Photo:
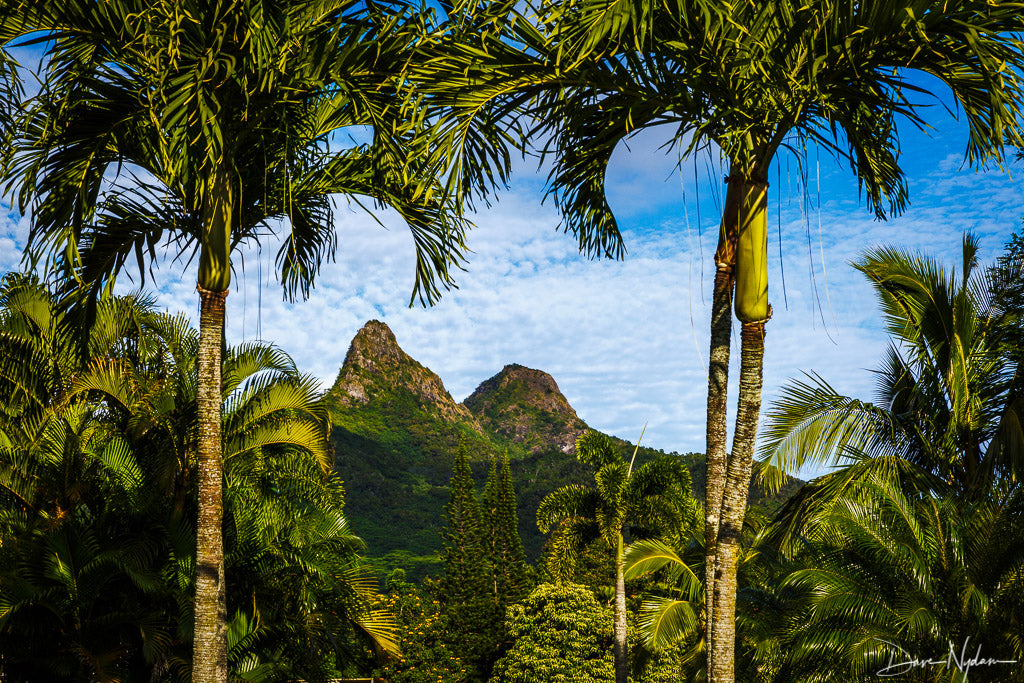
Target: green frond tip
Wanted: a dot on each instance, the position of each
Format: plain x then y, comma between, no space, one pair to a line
665,621
596,449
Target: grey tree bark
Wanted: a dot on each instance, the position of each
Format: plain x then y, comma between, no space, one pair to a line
716,437
734,502
621,653
209,647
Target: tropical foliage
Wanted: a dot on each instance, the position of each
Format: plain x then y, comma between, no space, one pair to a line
485,568
891,577
894,556
672,617
425,655
559,633
912,547
749,79
654,499
142,461
217,120
949,413
97,547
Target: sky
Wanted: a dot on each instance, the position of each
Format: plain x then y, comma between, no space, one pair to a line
627,340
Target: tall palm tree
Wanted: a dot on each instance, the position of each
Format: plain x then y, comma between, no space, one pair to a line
750,78
654,498
673,612
773,72
227,109
948,416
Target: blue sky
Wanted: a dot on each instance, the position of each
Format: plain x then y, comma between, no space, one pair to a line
626,341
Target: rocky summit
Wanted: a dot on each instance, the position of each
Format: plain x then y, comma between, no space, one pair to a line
519,408
525,407
376,366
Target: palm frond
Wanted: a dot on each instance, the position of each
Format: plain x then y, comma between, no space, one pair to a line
565,503
596,450
665,621
810,425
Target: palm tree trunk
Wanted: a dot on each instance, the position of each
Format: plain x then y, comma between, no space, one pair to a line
209,660
718,381
734,501
751,304
621,656
210,643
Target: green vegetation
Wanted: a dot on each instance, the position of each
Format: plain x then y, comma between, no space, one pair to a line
484,567
559,633
754,81
98,493
396,464
173,508
509,571
395,454
948,419
425,654
229,109
906,552
891,573
911,544
656,499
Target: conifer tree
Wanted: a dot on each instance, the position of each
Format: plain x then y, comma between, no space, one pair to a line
473,619
511,574
466,560
484,563
490,521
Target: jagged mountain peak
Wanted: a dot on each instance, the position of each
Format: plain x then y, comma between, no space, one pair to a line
536,387
526,407
375,346
376,368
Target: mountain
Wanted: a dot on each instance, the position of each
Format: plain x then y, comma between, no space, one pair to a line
396,430
524,407
376,367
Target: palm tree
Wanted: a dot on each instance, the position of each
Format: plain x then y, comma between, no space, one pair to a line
226,111
883,577
294,558
96,546
892,576
783,79
749,78
948,415
673,614
81,586
655,498
930,468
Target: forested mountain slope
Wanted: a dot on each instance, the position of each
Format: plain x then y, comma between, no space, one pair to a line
396,430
